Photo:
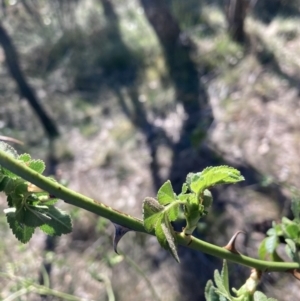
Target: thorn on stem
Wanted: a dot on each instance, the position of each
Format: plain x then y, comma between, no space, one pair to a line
231,244
120,231
295,273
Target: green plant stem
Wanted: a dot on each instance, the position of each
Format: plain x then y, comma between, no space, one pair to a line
81,201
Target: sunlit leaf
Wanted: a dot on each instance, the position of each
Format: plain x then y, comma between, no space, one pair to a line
221,287
271,243
292,230
262,251
259,296
291,249
212,176
24,158
166,194
152,212
37,165
173,213
224,275
210,292
184,188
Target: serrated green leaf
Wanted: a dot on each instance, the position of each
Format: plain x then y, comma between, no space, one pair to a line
262,251
37,165
192,177
34,217
210,292
60,222
221,288
24,158
224,275
271,243
166,194
152,212
165,236
22,233
212,176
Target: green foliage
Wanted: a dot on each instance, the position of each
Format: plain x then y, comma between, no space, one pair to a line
195,198
259,296
221,292
29,207
158,218
289,230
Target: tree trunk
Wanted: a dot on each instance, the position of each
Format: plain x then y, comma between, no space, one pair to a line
236,13
12,61
177,48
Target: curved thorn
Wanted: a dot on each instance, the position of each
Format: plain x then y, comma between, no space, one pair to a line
120,231
231,244
295,273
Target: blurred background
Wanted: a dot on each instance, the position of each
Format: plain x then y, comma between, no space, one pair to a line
119,96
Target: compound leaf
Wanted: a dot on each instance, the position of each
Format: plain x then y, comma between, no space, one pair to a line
166,194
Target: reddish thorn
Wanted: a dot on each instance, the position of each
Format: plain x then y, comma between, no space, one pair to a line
231,244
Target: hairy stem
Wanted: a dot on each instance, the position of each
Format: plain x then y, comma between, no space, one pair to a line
81,201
